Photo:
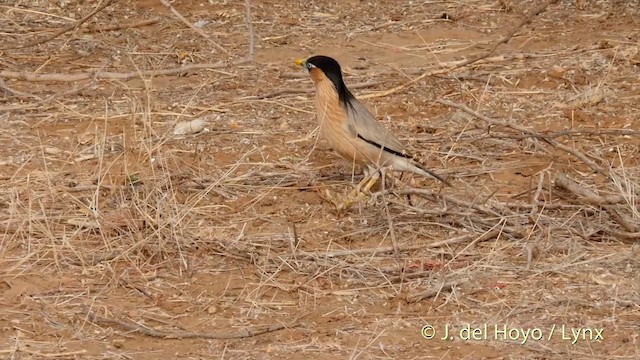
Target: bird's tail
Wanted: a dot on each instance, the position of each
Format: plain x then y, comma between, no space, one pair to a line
416,167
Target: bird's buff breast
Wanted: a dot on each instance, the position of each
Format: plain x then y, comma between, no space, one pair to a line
334,127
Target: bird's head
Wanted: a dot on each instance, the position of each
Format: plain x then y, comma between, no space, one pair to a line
323,68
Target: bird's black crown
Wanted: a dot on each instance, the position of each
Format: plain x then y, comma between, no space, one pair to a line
329,66
333,72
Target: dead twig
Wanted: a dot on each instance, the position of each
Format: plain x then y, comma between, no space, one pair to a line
624,236
536,196
63,30
582,157
43,355
115,27
590,197
450,199
43,101
14,92
572,133
250,30
25,76
505,39
190,26
435,291
245,333
391,249
74,90
485,55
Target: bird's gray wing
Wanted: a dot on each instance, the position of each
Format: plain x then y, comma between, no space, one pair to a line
367,128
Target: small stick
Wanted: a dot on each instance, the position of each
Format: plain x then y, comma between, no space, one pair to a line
246,333
574,132
391,249
199,31
66,354
429,293
589,196
114,27
15,92
626,237
504,40
39,103
563,181
250,29
459,202
536,196
25,76
63,30
392,231
574,152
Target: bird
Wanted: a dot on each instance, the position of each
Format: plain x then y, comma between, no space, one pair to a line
352,131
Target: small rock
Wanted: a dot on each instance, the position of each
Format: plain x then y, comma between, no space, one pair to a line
189,127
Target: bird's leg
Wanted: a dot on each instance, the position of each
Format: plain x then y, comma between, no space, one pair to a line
383,172
409,199
372,175
366,171
383,190
368,184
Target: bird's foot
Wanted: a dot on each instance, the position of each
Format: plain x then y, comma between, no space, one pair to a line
351,198
328,196
358,194
341,202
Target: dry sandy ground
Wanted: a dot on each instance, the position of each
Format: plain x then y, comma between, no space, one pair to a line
121,240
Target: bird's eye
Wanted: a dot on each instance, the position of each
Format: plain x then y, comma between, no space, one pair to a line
309,66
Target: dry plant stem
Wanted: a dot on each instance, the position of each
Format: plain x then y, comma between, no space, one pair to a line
137,24
464,218
189,25
536,196
64,29
456,201
75,90
588,196
595,167
442,70
624,236
246,333
96,259
538,10
250,30
25,76
392,249
42,355
574,132
3,86
505,39
392,231
429,293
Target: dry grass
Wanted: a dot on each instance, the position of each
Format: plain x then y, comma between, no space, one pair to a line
123,240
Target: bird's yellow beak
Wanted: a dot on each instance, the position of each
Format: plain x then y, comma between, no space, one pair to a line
300,62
